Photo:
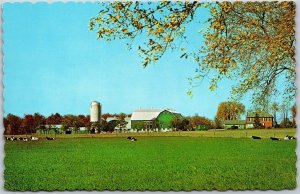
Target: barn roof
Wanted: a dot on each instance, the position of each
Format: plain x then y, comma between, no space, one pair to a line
260,114
147,114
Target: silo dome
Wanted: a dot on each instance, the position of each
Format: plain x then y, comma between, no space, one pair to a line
95,111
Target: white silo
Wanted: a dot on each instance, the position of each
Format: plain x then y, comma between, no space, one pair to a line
95,112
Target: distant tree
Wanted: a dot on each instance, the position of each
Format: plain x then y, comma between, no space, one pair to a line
275,109
230,111
284,108
105,126
286,123
175,123
106,115
38,120
109,126
121,123
97,127
14,124
198,120
185,124
180,124
87,123
28,124
257,123
66,122
54,119
7,127
218,124
294,113
72,121
84,120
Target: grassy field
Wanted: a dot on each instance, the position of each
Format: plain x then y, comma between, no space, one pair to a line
151,163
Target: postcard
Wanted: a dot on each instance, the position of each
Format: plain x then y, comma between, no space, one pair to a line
149,96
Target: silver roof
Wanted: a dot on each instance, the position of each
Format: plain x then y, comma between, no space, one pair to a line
147,114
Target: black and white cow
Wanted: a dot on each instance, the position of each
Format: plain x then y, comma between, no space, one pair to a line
288,137
34,138
131,138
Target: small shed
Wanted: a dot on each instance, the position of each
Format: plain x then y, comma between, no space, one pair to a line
234,124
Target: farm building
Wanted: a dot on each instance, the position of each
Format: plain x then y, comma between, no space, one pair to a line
265,119
113,122
50,129
234,124
150,119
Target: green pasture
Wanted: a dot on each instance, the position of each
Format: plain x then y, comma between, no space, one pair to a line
152,163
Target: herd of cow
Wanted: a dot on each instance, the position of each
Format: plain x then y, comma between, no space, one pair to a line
287,137
13,138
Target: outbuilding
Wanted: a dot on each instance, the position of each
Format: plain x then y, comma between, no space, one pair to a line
234,124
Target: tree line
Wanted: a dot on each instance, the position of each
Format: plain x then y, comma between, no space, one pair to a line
192,122
30,123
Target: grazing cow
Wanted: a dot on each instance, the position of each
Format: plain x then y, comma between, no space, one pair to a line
21,138
274,138
287,137
34,138
131,138
50,138
13,138
25,139
255,137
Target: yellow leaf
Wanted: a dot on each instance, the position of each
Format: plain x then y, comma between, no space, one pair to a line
189,93
149,31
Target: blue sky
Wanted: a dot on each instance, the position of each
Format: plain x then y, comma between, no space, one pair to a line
53,63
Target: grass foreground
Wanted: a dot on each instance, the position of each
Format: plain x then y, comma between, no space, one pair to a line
151,163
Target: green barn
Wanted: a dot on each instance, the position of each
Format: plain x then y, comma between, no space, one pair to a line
151,119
